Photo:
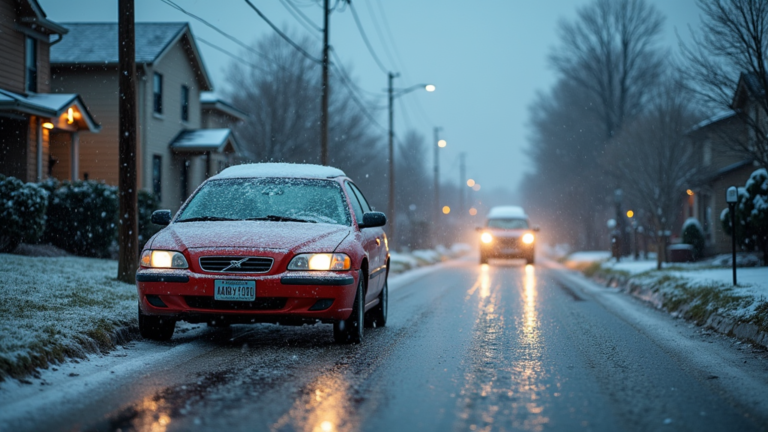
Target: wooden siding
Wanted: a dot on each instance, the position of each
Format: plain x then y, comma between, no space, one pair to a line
11,49
60,149
14,147
99,89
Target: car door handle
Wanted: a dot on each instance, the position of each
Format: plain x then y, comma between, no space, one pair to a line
378,241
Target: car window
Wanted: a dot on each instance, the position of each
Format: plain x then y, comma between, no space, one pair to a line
356,207
363,201
508,223
312,200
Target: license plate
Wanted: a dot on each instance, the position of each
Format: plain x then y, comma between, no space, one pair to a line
235,290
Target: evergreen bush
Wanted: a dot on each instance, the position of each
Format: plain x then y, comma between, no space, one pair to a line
693,234
148,203
22,212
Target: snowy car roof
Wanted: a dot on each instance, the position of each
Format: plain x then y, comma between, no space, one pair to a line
280,170
507,212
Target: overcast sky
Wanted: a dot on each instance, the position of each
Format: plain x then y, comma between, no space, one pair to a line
487,58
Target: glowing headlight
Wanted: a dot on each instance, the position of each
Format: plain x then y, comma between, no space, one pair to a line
486,238
163,259
322,261
528,238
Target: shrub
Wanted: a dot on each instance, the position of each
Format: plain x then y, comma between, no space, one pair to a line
148,203
751,214
82,217
22,212
693,235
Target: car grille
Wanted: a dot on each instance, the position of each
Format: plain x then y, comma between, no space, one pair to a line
224,264
507,242
263,303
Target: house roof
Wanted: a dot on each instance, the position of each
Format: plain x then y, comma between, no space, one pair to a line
96,44
730,168
34,15
209,101
197,141
47,105
724,115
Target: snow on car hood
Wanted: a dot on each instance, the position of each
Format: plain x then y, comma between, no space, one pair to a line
285,236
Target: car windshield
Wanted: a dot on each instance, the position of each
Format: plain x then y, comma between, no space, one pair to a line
272,199
508,223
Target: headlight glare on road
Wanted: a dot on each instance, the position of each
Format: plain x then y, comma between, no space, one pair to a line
163,259
486,238
528,238
321,261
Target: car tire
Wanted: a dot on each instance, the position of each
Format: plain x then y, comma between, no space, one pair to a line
378,315
483,259
350,330
155,327
530,260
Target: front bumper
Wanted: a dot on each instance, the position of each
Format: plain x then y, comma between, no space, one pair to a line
519,250
289,297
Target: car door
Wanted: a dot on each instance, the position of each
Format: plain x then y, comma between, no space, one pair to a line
378,264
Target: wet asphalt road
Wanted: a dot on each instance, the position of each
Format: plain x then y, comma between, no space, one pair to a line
467,347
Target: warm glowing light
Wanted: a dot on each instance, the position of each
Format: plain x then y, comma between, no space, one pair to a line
429,88
630,214
326,426
689,192
442,143
446,209
161,259
470,182
48,125
486,237
528,238
476,187
320,262
473,211
70,116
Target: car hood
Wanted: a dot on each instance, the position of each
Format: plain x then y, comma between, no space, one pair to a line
507,233
285,236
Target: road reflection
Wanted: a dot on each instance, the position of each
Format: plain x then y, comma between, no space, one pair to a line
323,407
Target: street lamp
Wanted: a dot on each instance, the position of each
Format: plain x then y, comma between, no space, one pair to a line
392,95
732,197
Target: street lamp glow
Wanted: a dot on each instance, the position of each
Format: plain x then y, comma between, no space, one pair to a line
446,209
473,211
630,214
442,143
429,88
470,182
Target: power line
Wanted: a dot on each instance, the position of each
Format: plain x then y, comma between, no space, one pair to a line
365,39
234,56
282,35
341,70
305,22
391,36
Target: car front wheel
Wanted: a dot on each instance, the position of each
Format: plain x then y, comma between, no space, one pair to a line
350,330
155,327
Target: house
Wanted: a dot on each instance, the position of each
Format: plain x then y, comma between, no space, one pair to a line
31,118
177,147
714,140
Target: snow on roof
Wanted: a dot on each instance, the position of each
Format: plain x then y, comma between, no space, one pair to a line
714,119
280,170
507,212
96,43
47,105
198,140
210,101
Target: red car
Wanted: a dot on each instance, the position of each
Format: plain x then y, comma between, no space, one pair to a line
277,243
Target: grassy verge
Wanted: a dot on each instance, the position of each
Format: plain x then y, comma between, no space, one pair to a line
54,308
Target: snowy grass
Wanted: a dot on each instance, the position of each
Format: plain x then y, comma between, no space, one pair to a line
53,308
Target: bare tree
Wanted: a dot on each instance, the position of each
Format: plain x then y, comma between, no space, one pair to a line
653,157
732,46
611,50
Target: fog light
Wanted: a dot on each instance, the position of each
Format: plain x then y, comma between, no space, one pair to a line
321,304
156,301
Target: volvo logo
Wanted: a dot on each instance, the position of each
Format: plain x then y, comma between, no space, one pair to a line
235,264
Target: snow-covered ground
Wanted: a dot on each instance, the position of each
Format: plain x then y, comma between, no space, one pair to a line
404,261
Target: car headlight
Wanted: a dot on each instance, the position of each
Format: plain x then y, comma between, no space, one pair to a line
321,261
486,238
528,238
163,259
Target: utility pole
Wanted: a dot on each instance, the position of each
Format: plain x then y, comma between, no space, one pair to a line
391,208
324,103
463,174
128,226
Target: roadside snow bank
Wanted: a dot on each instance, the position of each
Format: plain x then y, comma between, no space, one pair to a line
53,308
404,261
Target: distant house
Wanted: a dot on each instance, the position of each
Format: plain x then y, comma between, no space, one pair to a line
31,118
178,148
725,167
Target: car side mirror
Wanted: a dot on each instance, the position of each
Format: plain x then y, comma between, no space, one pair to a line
536,228
478,229
161,217
373,219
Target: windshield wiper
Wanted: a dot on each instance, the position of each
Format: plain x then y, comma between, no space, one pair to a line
206,218
274,218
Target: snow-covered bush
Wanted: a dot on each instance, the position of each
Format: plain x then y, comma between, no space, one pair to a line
693,234
82,217
22,212
751,214
148,203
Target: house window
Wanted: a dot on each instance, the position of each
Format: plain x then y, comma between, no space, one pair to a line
157,176
184,103
31,64
157,90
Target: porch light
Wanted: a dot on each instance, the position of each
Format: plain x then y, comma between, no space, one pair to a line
48,125
689,192
630,214
70,116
